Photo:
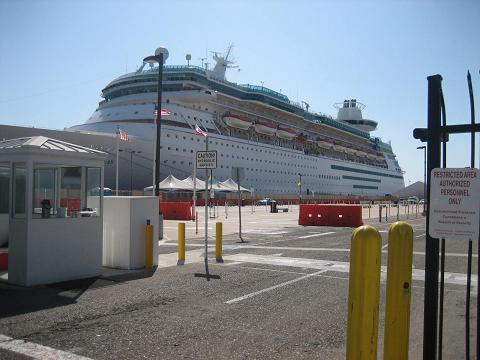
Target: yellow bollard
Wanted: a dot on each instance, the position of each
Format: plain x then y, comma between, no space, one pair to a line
218,242
399,283
364,293
181,244
149,245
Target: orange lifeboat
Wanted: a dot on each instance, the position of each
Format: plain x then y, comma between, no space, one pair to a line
265,127
286,133
338,147
237,121
350,150
324,143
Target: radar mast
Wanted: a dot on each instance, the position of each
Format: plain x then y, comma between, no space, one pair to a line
222,63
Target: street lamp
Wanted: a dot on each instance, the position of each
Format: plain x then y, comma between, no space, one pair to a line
161,55
131,152
300,189
424,177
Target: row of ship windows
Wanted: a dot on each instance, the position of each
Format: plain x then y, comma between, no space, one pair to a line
320,176
246,148
250,159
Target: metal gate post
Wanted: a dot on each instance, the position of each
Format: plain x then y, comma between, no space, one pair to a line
430,320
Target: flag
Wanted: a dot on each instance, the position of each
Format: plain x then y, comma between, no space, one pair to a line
122,135
164,112
199,131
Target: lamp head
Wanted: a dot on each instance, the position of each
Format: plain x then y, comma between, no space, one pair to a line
153,59
162,50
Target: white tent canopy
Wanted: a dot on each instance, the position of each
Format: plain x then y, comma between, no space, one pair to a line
171,183
229,183
200,183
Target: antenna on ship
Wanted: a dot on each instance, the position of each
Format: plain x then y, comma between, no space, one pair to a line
307,105
188,57
203,59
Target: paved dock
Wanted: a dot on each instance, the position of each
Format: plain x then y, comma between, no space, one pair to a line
281,294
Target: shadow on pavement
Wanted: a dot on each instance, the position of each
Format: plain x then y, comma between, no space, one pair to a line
17,300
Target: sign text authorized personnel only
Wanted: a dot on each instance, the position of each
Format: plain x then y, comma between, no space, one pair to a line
207,159
454,203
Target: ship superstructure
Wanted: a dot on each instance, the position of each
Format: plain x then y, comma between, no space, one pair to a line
277,141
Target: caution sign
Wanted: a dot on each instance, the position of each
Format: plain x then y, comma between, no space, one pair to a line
455,204
207,159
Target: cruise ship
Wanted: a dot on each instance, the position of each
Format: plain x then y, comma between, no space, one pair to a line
281,145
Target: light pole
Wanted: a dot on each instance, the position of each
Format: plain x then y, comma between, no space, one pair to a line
300,189
161,55
424,177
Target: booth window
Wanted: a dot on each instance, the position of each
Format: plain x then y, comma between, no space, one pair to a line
19,190
70,189
92,199
44,197
4,187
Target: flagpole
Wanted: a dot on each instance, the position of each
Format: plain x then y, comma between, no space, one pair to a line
206,210
116,170
154,166
194,184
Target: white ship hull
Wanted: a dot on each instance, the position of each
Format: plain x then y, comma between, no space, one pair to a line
278,177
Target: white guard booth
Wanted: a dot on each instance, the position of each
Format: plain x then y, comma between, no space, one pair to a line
55,216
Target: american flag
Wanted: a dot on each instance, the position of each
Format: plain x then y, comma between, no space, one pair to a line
122,135
164,112
199,131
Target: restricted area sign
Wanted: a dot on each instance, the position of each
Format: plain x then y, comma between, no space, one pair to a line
454,203
207,159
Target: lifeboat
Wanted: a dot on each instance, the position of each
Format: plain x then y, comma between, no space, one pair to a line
350,150
286,133
265,127
361,153
237,121
324,144
372,156
338,147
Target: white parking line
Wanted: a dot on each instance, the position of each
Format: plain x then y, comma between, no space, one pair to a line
36,351
317,234
273,287
420,235
338,266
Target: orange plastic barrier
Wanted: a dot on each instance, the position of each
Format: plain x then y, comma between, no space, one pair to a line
330,215
176,210
3,261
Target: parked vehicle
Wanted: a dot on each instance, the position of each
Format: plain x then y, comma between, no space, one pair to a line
265,201
413,200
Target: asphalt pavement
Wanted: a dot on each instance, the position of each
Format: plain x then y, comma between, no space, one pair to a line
280,294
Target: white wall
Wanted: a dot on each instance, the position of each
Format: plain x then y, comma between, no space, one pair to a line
124,230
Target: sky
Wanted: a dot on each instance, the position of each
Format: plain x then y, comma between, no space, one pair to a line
56,56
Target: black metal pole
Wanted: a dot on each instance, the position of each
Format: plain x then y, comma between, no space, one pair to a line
442,241
430,321
469,266
425,181
159,125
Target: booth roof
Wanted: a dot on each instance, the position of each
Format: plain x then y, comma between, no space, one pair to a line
42,142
